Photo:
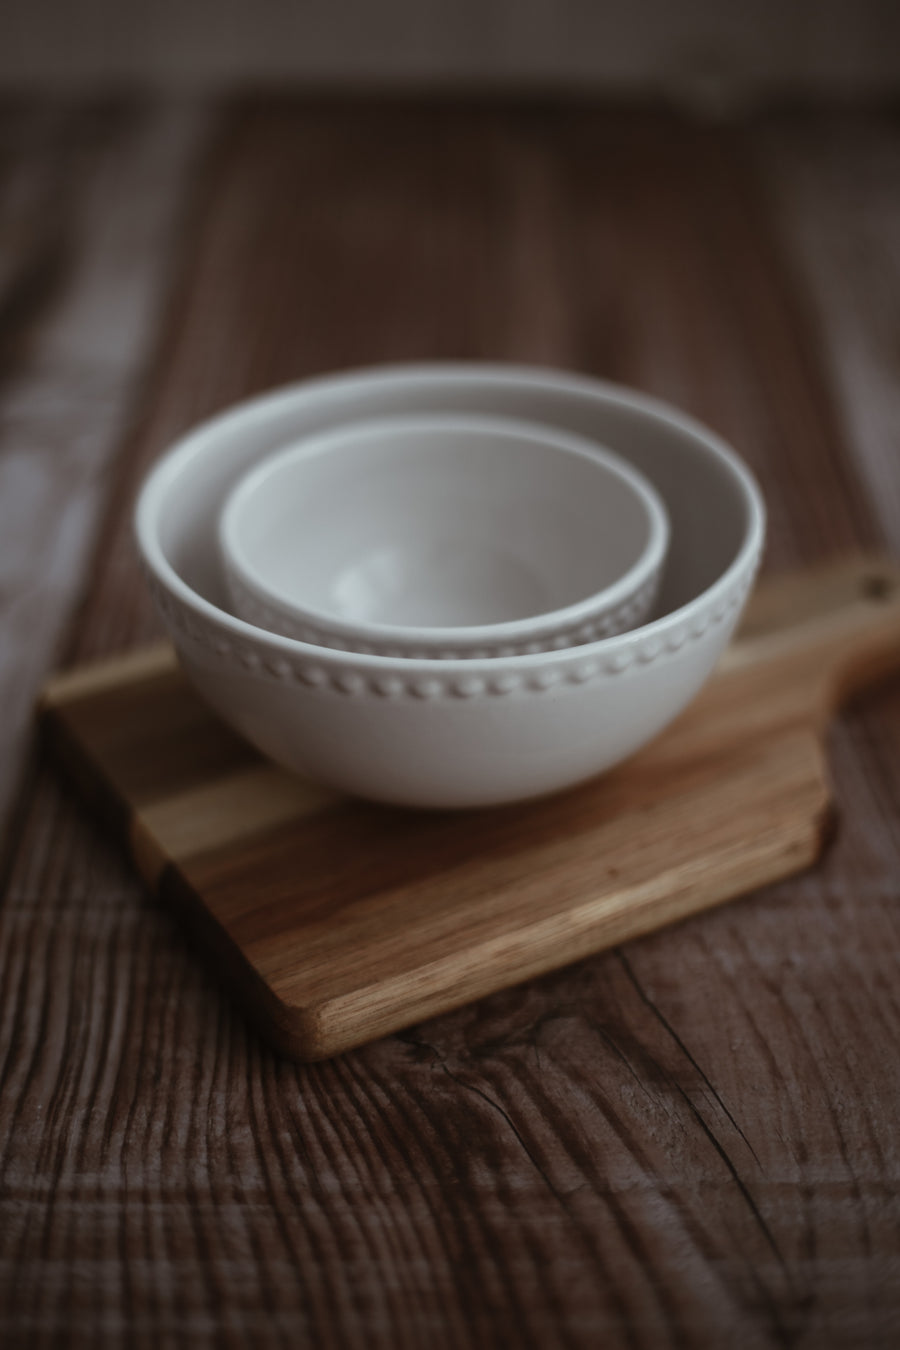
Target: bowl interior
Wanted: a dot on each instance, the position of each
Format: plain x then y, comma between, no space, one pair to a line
438,523
707,498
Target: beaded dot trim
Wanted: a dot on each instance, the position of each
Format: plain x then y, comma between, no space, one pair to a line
243,654
617,620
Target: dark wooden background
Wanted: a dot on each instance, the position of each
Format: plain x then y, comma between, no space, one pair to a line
691,1141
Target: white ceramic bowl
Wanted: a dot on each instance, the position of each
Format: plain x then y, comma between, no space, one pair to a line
455,733
443,536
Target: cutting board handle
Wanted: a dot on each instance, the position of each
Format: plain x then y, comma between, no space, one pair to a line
825,633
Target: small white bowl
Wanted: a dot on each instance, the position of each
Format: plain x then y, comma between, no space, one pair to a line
455,733
444,536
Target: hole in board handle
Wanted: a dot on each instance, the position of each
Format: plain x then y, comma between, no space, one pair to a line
877,587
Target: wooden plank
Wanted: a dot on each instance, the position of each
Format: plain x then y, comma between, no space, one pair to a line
686,1142
836,191
347,922
90,210
690,299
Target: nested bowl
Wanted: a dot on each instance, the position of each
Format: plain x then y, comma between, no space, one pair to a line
470,732
446,536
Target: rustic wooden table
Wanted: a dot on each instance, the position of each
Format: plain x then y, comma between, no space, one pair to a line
691,1141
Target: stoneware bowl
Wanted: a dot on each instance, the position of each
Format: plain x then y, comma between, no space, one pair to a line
455,733
446,536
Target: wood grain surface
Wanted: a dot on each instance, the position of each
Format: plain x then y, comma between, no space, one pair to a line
688,1141
88,222
333,922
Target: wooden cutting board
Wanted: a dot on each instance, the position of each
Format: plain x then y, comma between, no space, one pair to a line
336,921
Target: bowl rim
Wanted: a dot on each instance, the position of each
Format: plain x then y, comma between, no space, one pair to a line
194,442
623,591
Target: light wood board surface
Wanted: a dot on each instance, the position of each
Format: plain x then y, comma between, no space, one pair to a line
336,922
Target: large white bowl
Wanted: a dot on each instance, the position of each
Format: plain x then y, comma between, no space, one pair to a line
455,733
443,536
